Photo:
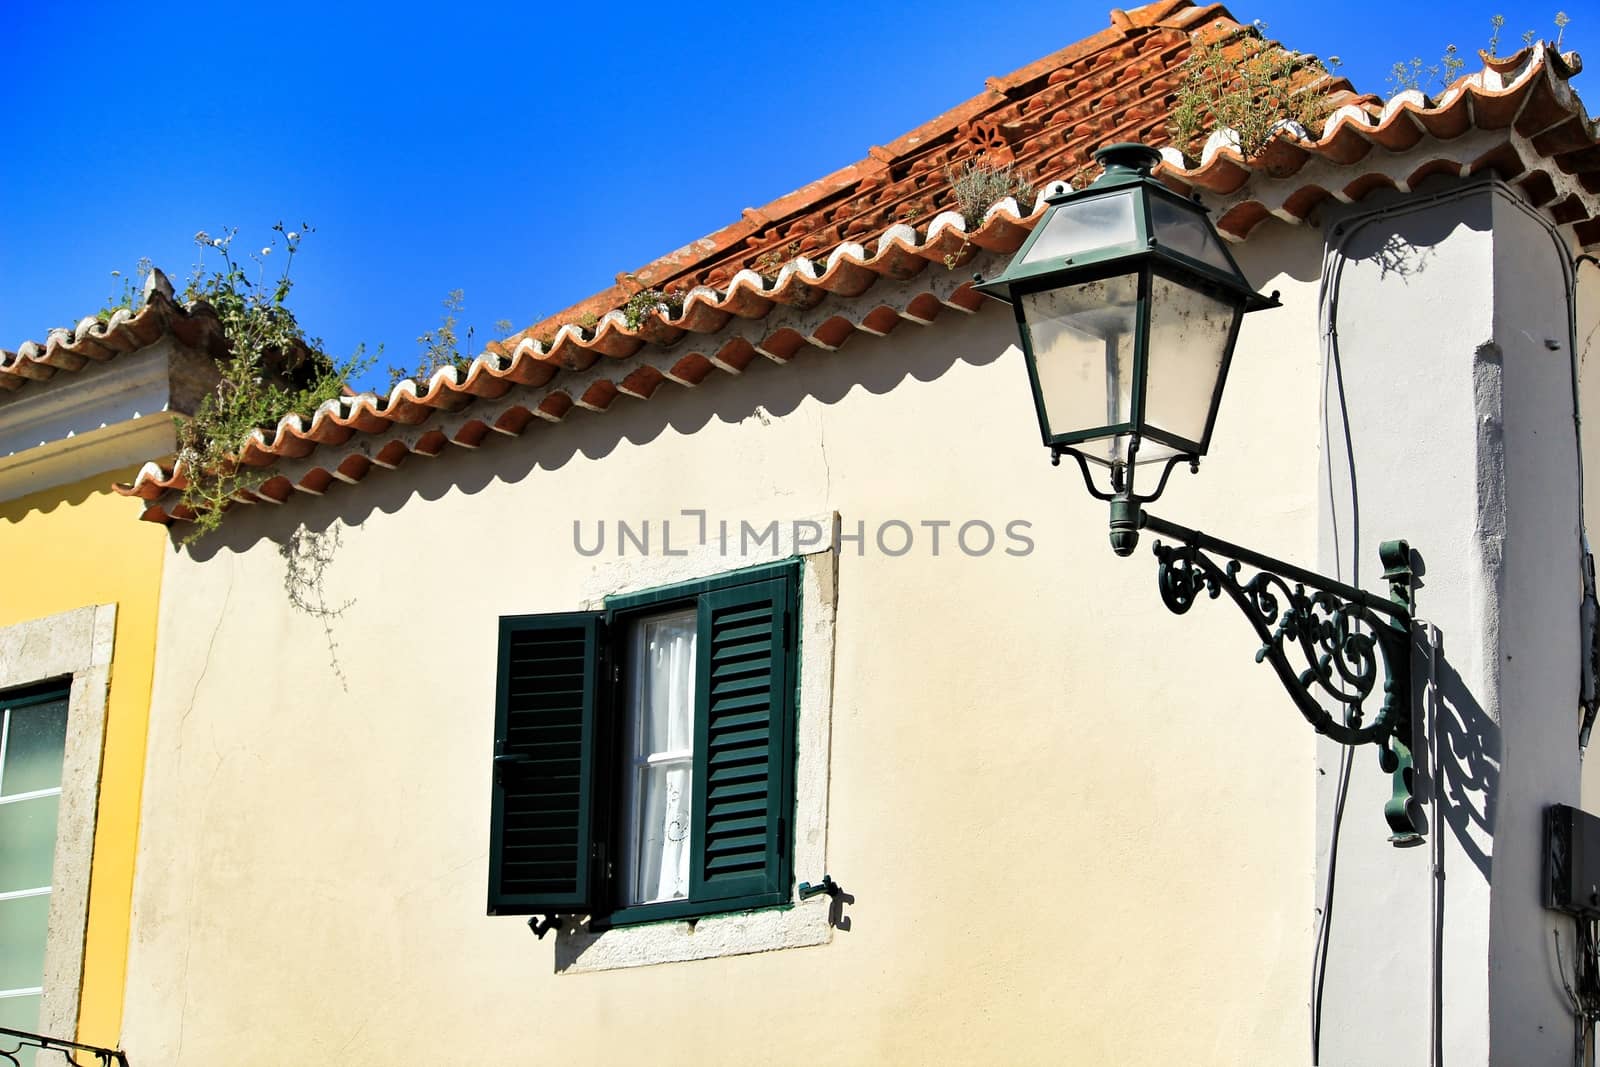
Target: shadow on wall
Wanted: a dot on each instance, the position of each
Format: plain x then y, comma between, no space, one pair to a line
1468,750
573,940
836,916
1467,778
1405,251
1399,256
46,501
875,364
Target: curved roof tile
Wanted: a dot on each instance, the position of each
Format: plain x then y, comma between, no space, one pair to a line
95,340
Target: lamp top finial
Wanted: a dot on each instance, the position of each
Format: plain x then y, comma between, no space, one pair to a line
1127,159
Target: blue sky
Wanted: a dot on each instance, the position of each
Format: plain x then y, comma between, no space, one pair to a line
525,153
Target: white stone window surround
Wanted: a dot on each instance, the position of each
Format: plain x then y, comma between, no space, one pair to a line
794,925
76,644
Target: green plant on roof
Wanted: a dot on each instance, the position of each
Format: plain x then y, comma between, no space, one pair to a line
770,263
439,347
1415,76
132,287
1436,77
649,301
978,185
271,369
1249,85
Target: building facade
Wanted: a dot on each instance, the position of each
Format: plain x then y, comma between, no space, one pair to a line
633,628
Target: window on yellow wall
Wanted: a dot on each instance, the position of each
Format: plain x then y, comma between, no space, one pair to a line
33,733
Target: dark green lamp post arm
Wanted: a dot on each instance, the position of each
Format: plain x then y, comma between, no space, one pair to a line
1396,609
1345,637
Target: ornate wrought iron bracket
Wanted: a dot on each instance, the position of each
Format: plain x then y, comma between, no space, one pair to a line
12,1042
1347,638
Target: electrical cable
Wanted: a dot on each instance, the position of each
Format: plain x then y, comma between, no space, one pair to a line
1319,965
1332,275
1319,974
1589,693
1334,366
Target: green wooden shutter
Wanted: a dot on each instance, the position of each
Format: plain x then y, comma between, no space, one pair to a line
548,707
743,727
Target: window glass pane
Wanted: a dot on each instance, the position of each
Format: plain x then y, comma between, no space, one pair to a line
663,864
35,738
1188,337
20,1013
665,684
1187,232
659,746
1082,339
24,922
27,842
1084,226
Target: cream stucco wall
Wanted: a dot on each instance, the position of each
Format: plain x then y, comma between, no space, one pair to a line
1077,829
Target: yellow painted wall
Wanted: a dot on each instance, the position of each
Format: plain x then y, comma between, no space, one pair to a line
67,548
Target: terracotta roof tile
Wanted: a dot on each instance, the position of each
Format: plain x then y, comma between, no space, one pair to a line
94,340
873,245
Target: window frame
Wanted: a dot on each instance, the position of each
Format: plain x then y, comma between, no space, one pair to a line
16,699
619,612
75,647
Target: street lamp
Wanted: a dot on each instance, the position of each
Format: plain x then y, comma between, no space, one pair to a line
1128,305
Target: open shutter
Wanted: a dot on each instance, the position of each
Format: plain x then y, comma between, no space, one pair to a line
547,713
742,725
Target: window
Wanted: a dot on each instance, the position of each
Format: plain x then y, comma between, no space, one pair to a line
658,758
33,735
644,753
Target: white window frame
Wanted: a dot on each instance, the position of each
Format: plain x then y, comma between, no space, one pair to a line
76,644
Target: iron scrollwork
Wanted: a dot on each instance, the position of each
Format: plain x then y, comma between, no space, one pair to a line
12,1043
1348,640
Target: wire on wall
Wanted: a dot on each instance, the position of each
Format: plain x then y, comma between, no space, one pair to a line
1590,611
1585,990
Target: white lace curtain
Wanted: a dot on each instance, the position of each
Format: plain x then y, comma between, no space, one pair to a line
660,740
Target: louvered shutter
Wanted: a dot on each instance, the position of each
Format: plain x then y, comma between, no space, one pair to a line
743,723
547,717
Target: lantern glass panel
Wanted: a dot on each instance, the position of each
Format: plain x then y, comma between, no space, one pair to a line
1084,226
1187,232
1110,450
1189,331
1083,341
